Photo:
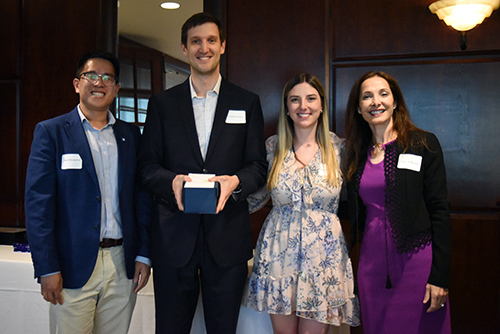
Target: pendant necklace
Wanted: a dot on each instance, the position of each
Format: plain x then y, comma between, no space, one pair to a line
377,149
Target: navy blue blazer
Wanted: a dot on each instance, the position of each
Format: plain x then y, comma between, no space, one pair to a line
63,206
170,146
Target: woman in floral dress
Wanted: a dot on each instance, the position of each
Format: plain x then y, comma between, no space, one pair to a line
302,274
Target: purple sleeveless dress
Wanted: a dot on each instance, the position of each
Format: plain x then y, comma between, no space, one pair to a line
399,309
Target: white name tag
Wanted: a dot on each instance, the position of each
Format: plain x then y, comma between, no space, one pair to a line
71,161
410,161
322,170
236,117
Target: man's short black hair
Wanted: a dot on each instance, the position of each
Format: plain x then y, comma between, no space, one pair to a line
100,55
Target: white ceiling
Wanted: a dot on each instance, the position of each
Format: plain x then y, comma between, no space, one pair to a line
145,22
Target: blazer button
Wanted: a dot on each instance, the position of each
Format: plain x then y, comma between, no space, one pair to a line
98,199
96,227
205,171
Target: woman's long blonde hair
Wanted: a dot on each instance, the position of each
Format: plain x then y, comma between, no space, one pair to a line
286,134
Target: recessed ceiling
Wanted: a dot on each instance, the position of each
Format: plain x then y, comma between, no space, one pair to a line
145,22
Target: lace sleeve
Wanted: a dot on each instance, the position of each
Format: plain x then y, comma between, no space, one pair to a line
339,144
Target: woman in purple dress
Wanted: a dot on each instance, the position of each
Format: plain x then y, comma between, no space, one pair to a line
398,207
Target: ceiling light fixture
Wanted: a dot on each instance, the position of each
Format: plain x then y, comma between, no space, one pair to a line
463,15
170,5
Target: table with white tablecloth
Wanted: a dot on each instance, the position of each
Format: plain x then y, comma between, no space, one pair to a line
24,311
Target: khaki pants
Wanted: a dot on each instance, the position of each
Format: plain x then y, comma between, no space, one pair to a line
104,305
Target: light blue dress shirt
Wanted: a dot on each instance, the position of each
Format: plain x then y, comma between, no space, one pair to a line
105,155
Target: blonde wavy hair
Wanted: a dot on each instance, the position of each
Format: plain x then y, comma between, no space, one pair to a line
286,134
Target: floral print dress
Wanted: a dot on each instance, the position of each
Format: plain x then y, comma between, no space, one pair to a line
301,261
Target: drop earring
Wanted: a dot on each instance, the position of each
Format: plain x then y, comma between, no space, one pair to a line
359,111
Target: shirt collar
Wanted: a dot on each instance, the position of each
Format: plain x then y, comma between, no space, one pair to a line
216,88
111,118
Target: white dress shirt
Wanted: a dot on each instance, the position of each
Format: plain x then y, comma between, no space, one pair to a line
204,114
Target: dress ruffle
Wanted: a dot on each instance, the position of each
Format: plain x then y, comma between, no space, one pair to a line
332,301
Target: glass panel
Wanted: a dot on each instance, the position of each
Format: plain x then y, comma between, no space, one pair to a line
143,74
142,109
126,108
126,73
173,77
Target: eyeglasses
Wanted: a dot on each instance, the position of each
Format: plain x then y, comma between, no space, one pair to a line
107,79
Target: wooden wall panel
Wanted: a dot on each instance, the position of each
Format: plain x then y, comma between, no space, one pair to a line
10,14
10,206
9,177
367,29
268,42
50,56
8,149
475,282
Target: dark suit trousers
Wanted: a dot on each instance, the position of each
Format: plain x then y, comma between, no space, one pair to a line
177,291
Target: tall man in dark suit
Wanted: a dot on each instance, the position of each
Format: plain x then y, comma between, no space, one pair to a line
204,125
87,219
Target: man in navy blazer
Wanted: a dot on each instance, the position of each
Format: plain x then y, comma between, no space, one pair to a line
87,219
204,125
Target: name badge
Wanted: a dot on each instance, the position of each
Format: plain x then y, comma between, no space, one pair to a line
410,161
71,161
322,170
236,117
